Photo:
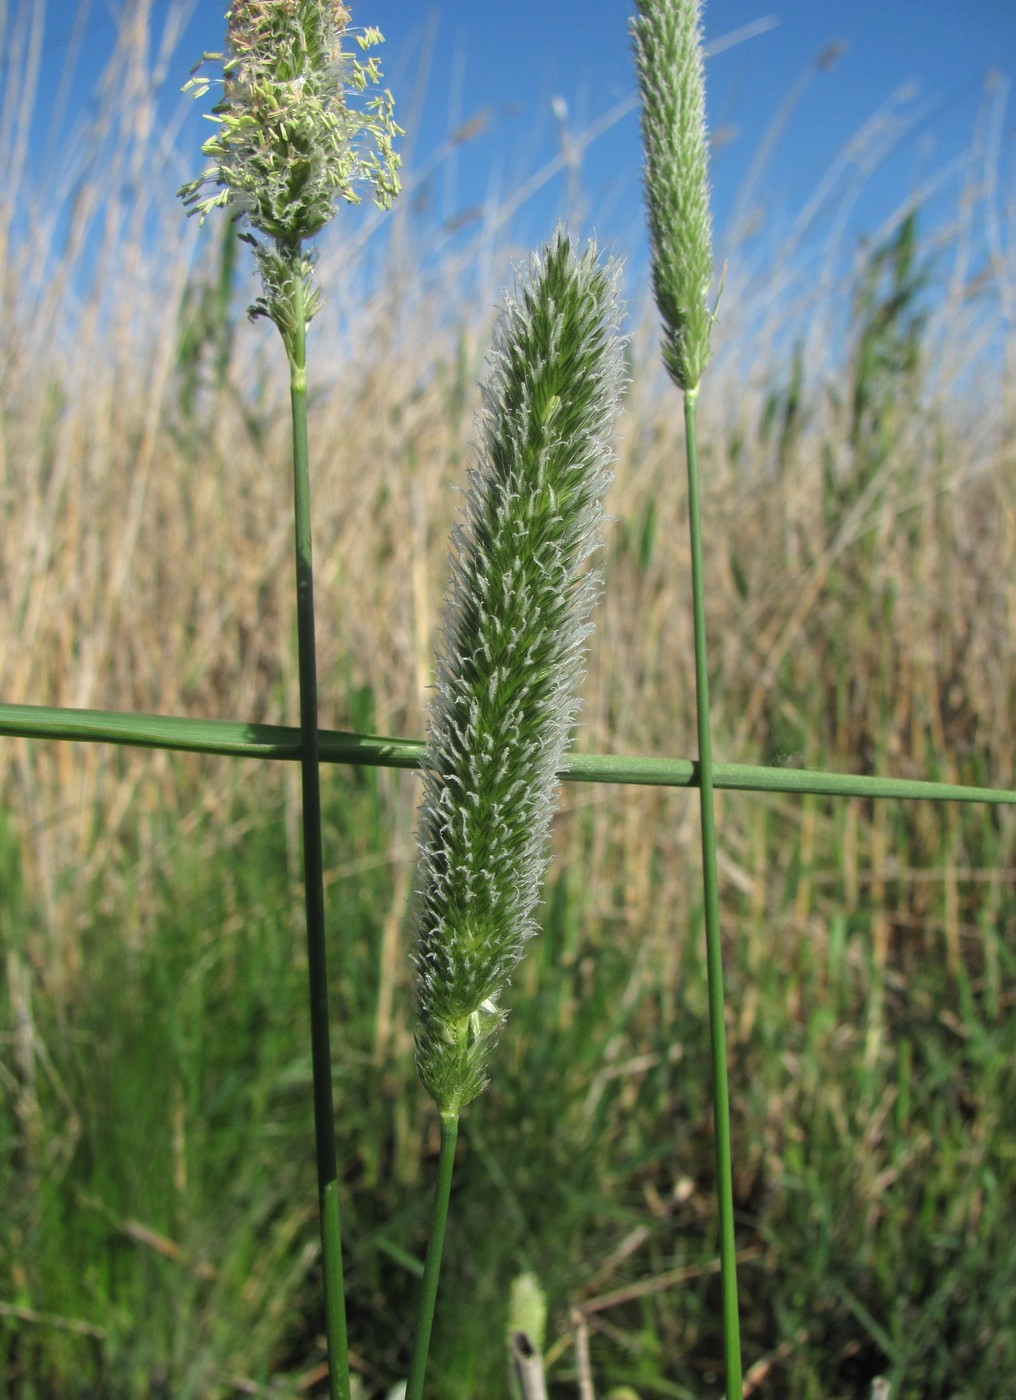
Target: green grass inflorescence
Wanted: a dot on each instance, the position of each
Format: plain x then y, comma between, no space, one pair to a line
508,670
667,44
511,656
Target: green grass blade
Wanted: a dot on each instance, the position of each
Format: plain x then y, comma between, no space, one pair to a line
236,739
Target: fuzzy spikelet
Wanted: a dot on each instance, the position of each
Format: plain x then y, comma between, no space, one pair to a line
666,38
511,658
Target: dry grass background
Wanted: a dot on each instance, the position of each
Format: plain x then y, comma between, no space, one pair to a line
861,574
146,554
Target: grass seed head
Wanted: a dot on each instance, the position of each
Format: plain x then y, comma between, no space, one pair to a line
667,44
512,655
290,140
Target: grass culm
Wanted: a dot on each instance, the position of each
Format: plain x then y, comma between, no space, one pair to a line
289,144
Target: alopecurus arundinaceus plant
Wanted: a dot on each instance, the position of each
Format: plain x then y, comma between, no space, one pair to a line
290,143
511,658
667,43
507,680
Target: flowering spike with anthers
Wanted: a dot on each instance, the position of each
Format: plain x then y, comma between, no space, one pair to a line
511,658
289,141
667,41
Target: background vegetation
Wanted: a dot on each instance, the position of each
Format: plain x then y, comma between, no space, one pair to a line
859,458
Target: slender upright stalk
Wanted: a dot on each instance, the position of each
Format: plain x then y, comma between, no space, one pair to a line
667,42
313,872
290,141
435,1248
714,950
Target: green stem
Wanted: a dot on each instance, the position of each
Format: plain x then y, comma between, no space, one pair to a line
435,1247
313,873
714,951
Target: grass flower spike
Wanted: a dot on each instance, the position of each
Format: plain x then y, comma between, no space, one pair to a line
511,658
666,37
290,143
507,681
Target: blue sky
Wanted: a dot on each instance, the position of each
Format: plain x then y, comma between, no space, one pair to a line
536,76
